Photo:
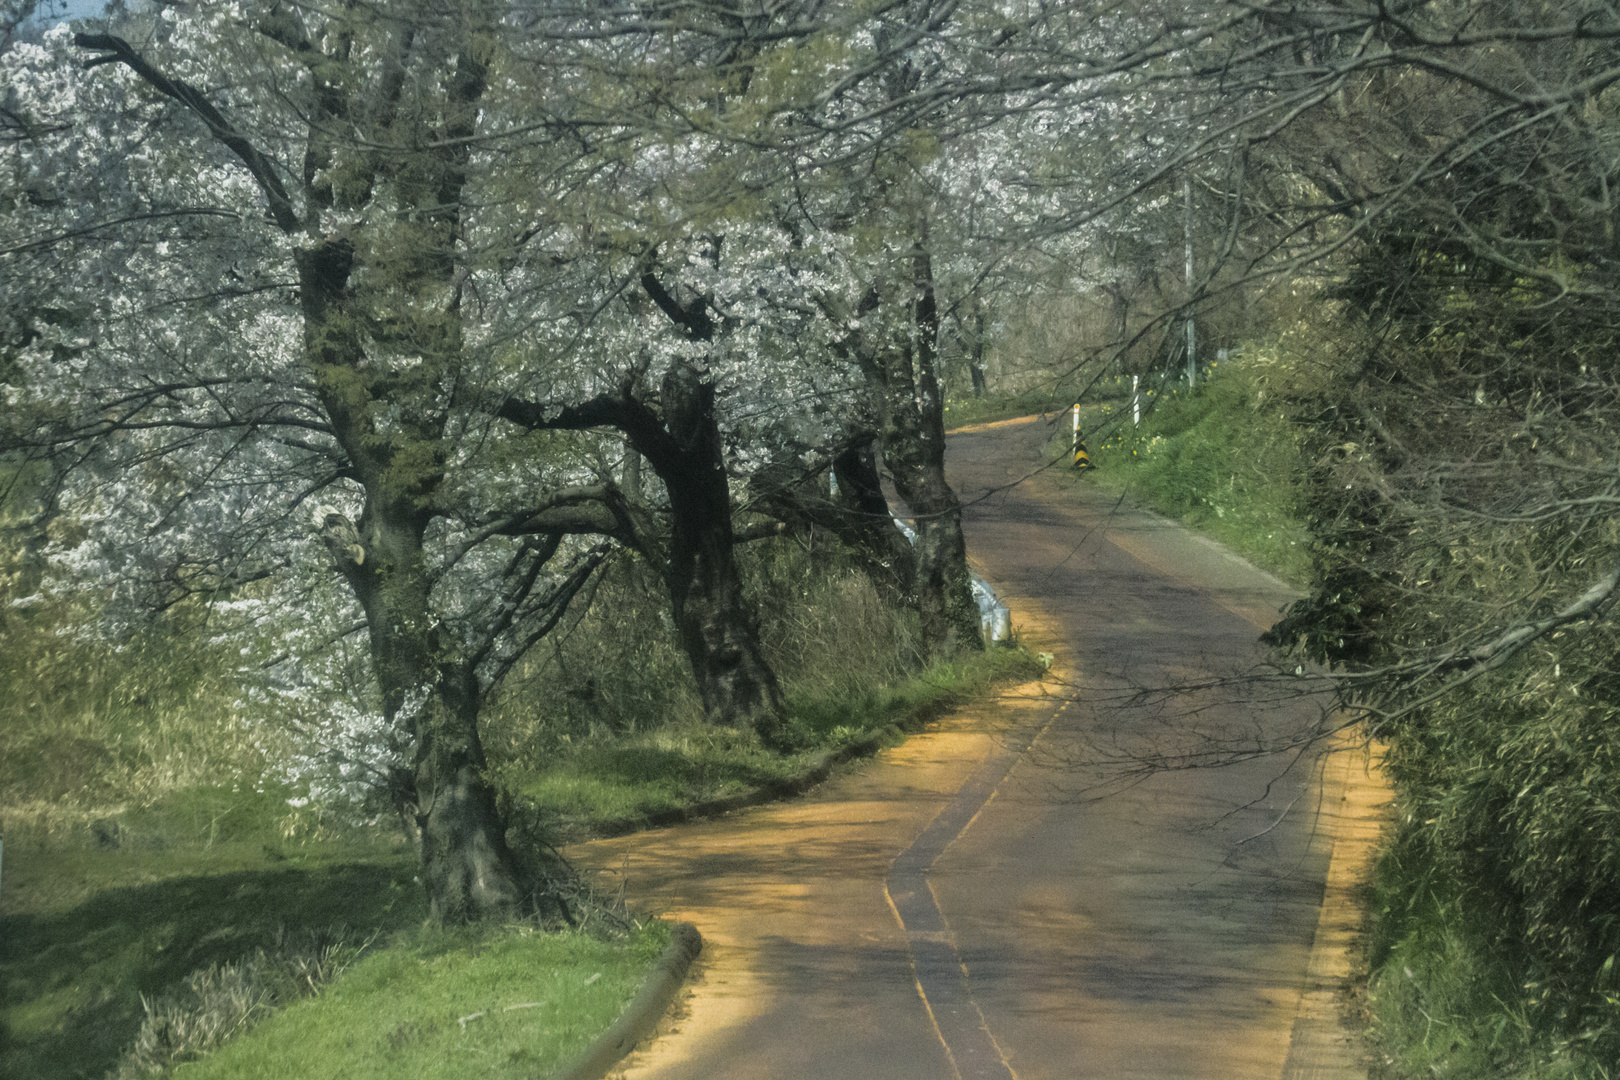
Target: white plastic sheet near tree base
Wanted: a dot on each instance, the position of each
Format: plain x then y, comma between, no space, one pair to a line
995,618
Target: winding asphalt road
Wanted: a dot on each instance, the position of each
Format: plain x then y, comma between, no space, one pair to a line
1025,891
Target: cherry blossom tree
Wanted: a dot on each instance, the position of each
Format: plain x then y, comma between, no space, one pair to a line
320,320
366,321
276,276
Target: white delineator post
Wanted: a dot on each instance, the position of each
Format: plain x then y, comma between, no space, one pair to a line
1000,624
1136,403
1074,445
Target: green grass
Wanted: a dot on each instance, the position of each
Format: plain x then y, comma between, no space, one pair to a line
89,932
1448,996
1222,460
85,932
1494,947
92,922
684,766
827,721
487,1003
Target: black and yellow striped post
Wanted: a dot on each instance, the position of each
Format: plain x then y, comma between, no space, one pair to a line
1082,460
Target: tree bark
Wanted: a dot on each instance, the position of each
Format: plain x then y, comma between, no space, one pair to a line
469,870
913,439
429,690
717,627
868,524
855,511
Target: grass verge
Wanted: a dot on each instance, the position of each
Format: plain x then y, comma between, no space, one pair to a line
90,935
1221,459
495,1003
1449,997
678,772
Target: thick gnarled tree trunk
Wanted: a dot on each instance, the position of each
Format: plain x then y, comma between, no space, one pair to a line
944,587
470,871
866,524
429,690
431,696
718,628
913,440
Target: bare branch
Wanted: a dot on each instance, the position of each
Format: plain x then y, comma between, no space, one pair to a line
263,169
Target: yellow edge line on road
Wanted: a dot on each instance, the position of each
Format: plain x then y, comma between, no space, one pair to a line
1329,969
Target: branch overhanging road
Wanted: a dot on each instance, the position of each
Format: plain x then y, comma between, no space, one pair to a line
1022,892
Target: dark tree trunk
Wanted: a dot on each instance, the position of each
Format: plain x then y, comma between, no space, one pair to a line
976,356
859,517
1120,305
718,630
469,870
867,524
717,627
913,436
431,696
950,615
855,511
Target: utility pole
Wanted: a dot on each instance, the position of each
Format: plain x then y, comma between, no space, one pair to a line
1187,232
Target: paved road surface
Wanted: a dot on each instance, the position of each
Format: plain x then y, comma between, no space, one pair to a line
1004,896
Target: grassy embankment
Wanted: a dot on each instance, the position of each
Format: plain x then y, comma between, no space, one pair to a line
1224,460
161,896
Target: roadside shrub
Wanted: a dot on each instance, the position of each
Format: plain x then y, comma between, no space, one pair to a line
223,1000
92,730
1436,438
1499,896
614,668
828,632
